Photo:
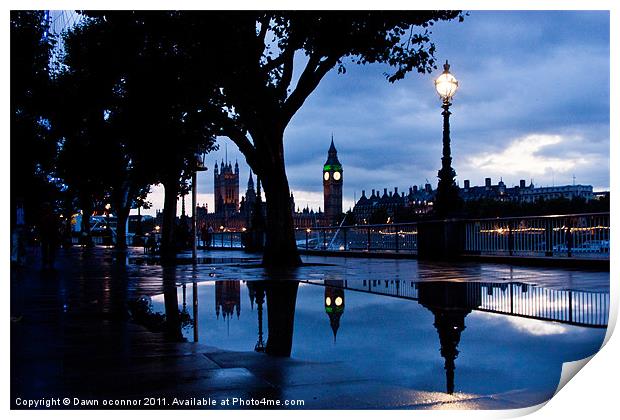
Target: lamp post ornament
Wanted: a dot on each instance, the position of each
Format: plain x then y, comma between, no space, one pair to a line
447,200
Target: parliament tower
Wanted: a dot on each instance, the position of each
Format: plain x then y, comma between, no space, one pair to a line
226,189
332,186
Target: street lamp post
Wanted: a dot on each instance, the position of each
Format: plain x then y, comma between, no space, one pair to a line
108,233
199,166
447,200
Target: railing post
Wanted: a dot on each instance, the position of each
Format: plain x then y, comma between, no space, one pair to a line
569,240
344,232
549,238
368,242
306,239
324,239
397,235
222,238
511,239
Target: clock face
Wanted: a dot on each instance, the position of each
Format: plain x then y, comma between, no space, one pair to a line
326,176
337,176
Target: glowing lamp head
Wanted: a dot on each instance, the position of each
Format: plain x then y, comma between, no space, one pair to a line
446,84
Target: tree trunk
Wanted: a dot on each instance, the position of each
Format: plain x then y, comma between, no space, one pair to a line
122,200
122,214
280,246
168,243
85,236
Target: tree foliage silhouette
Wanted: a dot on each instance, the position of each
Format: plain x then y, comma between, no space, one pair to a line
32,149
151,124
182,78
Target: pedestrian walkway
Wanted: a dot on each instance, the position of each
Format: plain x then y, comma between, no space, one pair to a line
72,336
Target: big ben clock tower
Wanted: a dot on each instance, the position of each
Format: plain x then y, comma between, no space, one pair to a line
332,186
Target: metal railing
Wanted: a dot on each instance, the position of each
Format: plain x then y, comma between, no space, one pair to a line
574,235
226,239
401,237
102,240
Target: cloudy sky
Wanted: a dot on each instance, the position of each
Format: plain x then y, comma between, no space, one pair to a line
533,104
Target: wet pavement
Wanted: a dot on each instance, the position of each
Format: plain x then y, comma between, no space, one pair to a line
72,332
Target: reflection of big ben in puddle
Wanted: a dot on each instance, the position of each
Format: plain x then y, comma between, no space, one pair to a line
227,299
450,303
334,303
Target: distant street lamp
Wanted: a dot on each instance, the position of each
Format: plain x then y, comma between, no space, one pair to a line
447,200
199,166
108,233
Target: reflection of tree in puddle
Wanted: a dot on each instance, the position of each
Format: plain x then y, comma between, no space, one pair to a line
173,320
281,300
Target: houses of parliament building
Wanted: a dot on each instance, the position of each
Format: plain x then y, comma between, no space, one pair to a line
233,213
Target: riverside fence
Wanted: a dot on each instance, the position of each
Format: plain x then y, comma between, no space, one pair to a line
585,235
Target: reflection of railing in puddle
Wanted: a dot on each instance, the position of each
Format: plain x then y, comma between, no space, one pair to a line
449,302
573,307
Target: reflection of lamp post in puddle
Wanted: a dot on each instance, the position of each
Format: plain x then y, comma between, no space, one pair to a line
450,303
260,299
195,309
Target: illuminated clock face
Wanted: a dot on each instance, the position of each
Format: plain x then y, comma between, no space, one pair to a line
326,176
337,176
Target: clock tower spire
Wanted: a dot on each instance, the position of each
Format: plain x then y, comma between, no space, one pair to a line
332,186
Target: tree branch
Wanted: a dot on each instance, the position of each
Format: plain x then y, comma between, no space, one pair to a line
264,25
287,71
310,78
246,147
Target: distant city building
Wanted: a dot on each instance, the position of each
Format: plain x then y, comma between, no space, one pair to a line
524,193
569,192
420,200
308,218
488,191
